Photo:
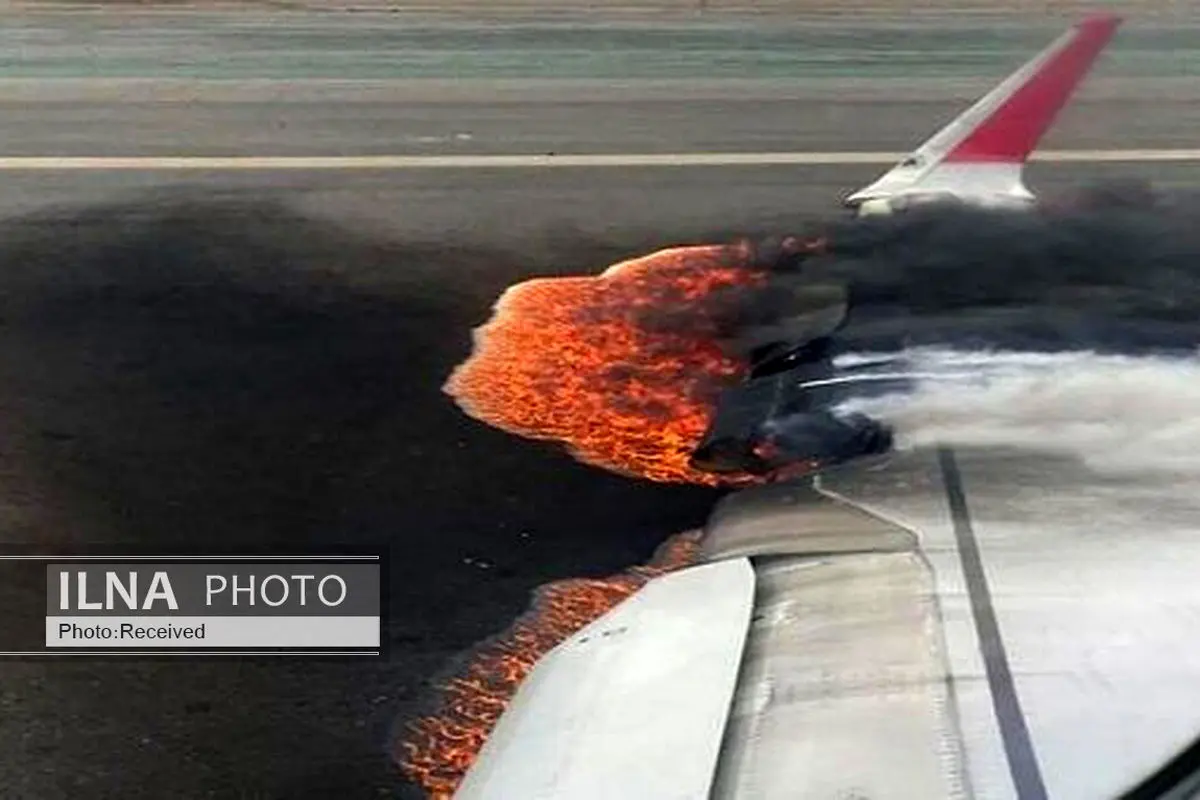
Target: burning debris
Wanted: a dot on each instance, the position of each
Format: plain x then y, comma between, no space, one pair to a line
570,359
437,750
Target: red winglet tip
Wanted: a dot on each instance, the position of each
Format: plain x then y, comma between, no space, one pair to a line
1013,129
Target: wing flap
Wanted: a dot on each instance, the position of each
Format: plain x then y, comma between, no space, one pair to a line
635,704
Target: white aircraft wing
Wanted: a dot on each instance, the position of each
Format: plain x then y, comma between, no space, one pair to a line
953,625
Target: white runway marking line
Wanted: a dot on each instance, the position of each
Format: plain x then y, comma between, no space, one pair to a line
400,162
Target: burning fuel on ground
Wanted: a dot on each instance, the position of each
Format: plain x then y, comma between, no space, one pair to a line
568,359
571,360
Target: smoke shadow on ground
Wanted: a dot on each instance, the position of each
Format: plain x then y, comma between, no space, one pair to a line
227,372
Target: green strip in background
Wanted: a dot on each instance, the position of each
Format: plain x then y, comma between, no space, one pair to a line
216,46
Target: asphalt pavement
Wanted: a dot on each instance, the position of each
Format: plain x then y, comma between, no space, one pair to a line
255,356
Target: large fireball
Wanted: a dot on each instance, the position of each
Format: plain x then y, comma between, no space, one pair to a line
568,359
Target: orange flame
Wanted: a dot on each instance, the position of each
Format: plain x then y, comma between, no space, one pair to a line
566,359
438,749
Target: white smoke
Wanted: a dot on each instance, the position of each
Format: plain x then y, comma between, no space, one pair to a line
1118,414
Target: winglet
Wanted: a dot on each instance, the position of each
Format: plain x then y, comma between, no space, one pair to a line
1011,131
1005,126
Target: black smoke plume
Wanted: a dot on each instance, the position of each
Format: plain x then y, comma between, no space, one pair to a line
1122,278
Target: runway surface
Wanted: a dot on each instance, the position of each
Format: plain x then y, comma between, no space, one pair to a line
255,356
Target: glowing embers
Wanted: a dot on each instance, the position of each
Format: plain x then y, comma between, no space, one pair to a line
570,359
437,750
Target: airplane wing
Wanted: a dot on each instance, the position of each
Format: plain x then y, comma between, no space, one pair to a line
980,155
960,624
